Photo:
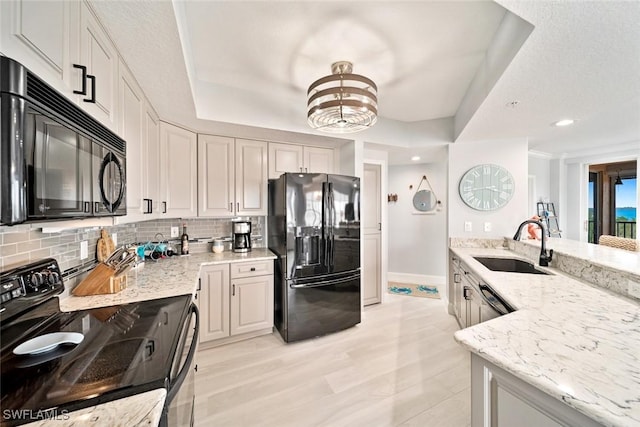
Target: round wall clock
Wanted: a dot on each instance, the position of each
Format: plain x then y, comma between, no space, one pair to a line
486,187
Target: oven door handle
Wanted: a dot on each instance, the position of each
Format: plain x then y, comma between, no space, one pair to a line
177,383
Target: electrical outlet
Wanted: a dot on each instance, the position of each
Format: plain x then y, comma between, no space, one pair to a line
468,226
487,226
114,237
84,249
174,231
633,289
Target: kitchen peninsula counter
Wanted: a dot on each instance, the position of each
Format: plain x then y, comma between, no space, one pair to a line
177,275
575,342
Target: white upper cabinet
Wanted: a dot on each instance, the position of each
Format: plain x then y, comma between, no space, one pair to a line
216,173
284,158
232,177
178,180
297,158
318,160
63,43
131,105
100,56
251,177
37,34
151,149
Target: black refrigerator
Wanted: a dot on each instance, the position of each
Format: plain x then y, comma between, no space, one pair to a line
314,229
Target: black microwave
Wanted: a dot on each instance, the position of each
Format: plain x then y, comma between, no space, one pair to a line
56,161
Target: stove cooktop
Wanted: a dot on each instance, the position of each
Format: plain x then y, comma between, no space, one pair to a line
126,349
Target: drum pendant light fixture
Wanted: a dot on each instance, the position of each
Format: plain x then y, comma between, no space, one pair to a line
342,102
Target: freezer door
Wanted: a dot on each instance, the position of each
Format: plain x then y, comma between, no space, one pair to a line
344,223
305,232
319,307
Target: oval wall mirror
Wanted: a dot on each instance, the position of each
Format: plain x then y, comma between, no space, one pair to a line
424,201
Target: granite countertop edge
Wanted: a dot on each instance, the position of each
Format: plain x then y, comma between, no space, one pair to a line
562,339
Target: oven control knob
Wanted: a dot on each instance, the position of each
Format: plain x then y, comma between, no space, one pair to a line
36,280
53,278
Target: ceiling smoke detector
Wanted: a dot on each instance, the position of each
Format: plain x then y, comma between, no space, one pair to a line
342,102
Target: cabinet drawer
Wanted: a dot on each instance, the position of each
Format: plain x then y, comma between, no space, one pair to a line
249,269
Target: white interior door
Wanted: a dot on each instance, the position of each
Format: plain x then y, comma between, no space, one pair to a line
371,235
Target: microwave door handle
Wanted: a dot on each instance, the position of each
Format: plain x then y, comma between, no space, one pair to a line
177,383
84,79
92,100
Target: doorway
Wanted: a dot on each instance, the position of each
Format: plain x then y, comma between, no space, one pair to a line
371,234
612,204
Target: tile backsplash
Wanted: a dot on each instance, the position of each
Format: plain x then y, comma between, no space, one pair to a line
20,244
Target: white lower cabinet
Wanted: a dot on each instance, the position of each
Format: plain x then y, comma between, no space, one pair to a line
236,301
499,399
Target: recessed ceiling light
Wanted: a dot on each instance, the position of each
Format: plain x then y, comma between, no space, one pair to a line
415,158
564,122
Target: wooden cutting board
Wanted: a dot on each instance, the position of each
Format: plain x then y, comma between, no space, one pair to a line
105,246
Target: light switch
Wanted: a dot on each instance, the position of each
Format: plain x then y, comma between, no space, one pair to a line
487,226
114,237
84,249
467,226
174,231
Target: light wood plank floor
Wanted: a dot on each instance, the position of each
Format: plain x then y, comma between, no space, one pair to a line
399,367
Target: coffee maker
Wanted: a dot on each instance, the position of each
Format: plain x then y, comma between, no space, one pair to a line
241,236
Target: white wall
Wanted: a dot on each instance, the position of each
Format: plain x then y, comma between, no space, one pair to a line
510,154
540,168
418,243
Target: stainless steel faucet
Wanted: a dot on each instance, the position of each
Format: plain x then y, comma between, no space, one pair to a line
544,257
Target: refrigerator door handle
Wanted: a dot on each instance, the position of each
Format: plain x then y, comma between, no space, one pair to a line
325,229
323,283
331,220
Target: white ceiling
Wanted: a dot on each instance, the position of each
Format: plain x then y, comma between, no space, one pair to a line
250,63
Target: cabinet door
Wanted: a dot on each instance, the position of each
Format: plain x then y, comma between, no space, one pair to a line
100,57
474,307
178,159
36,34
318,160
284,158
251,177
151,182
214,302
131,107
371,280
251,304
216,170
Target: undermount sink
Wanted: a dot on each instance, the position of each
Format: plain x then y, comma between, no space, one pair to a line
510,265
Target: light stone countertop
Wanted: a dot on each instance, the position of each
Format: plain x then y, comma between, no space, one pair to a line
619,259
166,278
144,409
577,343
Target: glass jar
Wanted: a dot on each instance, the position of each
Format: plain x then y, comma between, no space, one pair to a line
217,246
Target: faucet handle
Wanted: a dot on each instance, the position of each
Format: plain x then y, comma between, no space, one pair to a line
545,258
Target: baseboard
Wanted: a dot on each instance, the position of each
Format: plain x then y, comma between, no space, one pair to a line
426,279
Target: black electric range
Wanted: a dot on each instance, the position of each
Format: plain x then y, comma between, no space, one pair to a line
126,349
